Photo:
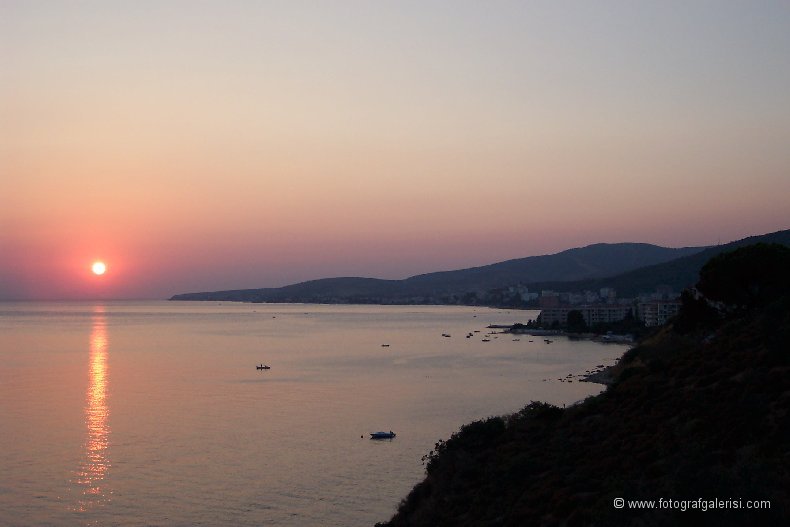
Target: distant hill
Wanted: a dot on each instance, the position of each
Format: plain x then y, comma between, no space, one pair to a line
678,274
591,262
696,414
629,268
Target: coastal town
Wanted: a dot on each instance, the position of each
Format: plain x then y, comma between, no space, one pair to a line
600,307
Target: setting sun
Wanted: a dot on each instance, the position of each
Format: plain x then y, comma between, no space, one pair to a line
98,268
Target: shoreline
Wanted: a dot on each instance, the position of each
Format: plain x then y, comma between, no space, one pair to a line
597,337
601,376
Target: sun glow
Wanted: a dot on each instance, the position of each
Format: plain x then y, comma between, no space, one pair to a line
98,268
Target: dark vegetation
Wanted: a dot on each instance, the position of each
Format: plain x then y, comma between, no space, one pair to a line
576,323
630,325
698,410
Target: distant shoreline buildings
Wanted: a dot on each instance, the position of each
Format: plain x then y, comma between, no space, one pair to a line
603,307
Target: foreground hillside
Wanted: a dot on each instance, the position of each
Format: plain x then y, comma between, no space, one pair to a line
697,411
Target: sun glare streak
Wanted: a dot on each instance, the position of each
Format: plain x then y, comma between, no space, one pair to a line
93,469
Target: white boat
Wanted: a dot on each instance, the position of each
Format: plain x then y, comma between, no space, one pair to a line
382,435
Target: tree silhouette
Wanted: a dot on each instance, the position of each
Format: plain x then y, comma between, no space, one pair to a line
575,321
748,276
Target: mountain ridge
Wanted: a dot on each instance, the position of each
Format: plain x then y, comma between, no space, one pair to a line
630,268
588,262
679,273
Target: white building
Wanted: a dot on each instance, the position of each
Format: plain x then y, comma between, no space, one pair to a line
657,313
593,314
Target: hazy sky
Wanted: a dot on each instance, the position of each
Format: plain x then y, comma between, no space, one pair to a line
213,145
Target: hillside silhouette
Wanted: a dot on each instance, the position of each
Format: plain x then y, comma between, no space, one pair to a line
629,268
678,273
697,410
590,262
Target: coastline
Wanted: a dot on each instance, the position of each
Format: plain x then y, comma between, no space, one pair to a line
601,374
695,409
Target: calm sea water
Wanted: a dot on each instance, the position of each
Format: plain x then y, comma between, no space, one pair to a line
132,413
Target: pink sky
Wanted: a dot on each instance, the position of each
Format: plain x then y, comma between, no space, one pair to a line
247,144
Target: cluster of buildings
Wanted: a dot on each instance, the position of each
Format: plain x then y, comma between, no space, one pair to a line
603,306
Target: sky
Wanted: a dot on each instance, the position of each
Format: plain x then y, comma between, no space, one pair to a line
199,146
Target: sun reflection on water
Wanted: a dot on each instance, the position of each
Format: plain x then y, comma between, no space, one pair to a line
95,463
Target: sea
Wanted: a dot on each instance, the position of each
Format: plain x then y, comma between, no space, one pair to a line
154,413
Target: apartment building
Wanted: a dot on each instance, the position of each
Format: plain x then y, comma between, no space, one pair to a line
657,313
593,314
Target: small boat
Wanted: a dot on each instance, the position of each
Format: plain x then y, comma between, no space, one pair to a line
445,335
263,367
385,345
382,435
486,340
